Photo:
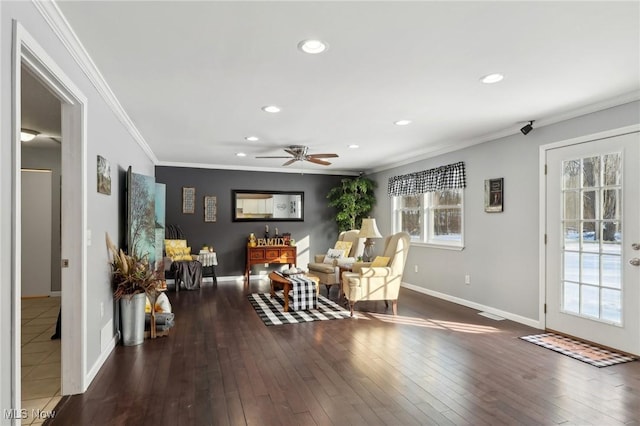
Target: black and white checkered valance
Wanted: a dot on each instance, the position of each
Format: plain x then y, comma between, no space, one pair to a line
444,177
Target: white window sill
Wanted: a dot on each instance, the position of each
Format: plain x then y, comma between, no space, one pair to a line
438,246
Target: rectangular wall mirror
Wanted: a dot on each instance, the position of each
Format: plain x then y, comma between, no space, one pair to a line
256,206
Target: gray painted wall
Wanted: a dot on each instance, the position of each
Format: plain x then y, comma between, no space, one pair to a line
315,235
501,249
48,158
106,136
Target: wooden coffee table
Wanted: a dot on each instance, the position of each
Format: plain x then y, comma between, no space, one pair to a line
286,286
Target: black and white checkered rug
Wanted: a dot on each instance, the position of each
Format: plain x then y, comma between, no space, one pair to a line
579,350
271,311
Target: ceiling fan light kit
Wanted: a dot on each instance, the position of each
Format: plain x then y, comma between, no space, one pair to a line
301,153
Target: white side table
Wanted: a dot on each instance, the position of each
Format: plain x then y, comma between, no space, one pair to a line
209,260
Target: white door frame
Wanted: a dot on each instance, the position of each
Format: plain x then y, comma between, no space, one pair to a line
542,226
27,52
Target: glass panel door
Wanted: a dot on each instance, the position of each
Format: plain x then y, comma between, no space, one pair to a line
592,254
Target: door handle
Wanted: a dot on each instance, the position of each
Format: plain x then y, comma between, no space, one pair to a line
635,261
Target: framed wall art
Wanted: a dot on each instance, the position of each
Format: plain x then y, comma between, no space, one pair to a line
188,200
104,176
210,208
494,195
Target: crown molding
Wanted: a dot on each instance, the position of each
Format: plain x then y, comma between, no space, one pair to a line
61,28
296,170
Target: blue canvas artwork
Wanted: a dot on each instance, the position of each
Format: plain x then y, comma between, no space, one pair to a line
141,216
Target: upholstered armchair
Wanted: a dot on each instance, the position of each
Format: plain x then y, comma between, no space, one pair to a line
181,264
329,272
368,282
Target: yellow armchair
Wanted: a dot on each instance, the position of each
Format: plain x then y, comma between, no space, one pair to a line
329,273
368,282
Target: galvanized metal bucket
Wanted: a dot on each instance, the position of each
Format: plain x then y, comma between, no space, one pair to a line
132,316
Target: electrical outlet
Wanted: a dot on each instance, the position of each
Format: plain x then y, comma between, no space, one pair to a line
467,279
415,268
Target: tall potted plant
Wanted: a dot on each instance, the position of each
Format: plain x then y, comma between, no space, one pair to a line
354,198
133,278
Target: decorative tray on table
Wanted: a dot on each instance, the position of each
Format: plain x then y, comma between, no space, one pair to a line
293,272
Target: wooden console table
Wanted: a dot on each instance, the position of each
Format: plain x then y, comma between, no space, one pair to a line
270,254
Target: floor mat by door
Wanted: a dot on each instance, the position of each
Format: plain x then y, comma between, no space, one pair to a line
579,350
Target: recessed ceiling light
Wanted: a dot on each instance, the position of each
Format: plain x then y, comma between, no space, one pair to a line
271,108
240,154
492,78
27,135
354,146
312,46
402,122
252,138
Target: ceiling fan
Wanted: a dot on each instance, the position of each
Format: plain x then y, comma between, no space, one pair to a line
300,153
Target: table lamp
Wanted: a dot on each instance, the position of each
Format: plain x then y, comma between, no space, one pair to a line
369,230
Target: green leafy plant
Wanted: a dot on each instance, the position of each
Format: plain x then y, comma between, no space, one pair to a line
354,198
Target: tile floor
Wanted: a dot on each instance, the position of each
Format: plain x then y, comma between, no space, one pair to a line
40,357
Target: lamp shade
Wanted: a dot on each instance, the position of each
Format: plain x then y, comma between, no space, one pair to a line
369,229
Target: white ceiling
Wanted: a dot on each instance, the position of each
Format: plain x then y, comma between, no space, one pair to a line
193,76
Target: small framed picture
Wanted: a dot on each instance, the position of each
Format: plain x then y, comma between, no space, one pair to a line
104,176
210,208
188,200
494,195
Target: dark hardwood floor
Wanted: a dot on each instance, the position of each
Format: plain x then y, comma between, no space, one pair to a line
436,363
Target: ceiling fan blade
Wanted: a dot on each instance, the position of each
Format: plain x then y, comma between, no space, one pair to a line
323,155
292,152
272,157
293,160
317,161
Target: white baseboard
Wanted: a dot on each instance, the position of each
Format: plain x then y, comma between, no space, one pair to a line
100,361
210,279
508,315
241,278
55,294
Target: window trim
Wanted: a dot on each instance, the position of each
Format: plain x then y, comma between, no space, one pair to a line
427,229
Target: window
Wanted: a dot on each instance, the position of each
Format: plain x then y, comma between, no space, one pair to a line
432,218
428,205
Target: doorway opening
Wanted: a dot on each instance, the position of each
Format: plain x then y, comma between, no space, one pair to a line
40,240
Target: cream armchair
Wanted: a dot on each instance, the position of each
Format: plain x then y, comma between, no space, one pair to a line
379,283
329,273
